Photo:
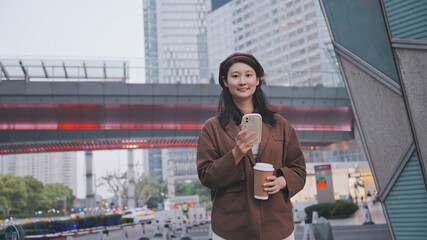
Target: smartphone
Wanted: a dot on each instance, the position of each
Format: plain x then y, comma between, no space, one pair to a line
253,122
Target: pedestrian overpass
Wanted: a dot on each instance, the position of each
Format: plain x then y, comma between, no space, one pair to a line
66,116
84,116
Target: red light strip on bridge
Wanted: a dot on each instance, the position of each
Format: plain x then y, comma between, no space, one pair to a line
98,145
84,117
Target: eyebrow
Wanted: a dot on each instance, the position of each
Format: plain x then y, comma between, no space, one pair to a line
251,71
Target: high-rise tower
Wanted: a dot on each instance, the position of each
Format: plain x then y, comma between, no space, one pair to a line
289,38
175,41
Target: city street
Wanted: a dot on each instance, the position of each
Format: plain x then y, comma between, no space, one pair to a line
149,119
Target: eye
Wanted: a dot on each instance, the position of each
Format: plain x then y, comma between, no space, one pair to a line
249,75
234,76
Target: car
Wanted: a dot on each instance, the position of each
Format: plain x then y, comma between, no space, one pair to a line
158,236
139,215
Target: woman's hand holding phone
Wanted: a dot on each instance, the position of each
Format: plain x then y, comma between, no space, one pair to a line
244,141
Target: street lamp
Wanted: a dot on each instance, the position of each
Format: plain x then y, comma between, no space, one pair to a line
64,198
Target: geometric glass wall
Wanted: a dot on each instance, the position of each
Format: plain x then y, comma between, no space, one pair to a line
407,203
359,27
407,19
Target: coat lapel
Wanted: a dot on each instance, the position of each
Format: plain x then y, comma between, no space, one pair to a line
232,130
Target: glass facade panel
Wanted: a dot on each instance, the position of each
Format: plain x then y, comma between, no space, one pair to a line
407,19
406,203
155,164
359,27
331,156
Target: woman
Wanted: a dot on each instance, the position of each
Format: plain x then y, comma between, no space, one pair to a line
226,156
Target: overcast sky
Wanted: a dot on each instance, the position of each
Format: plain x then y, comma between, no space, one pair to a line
81,30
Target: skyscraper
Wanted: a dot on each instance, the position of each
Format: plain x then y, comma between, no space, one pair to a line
55,167
175,41
175,52
290,39
155,164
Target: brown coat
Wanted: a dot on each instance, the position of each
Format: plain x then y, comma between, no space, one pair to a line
236,214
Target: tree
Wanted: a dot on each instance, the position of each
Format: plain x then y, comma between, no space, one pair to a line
159,195
193,188
115,183
35,198
145,189
58,190
3,199
13,193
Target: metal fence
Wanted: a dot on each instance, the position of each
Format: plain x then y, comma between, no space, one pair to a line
19,70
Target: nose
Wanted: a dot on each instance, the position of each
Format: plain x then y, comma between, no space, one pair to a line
242,80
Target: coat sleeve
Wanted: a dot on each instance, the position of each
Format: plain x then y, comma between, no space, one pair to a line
215,171
294,170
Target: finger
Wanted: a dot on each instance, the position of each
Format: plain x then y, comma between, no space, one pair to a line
271,185
273,192
243,131
241,134
247,140
249,135
252,140
271,178
249,131
270,189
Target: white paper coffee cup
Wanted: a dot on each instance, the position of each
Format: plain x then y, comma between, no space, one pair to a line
261,172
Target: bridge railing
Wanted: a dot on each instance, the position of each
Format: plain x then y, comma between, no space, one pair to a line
121,71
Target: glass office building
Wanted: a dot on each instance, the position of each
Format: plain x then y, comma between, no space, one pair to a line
344,151
175,52
184,163
175,41
289,38
155,164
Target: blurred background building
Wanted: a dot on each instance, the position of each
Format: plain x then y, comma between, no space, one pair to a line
155,165
175,41
290,39
57,167
175,52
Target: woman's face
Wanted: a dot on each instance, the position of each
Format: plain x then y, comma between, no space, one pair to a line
241,81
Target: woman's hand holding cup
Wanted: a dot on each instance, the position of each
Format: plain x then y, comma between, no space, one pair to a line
275,184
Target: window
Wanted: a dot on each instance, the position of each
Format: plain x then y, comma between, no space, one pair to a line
311,36
310,15
309,5
311,26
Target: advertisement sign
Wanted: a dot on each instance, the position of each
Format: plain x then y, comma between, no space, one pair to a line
325,188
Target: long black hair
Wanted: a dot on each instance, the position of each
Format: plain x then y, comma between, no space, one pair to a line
227,109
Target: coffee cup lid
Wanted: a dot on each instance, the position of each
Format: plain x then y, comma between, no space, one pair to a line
264,167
